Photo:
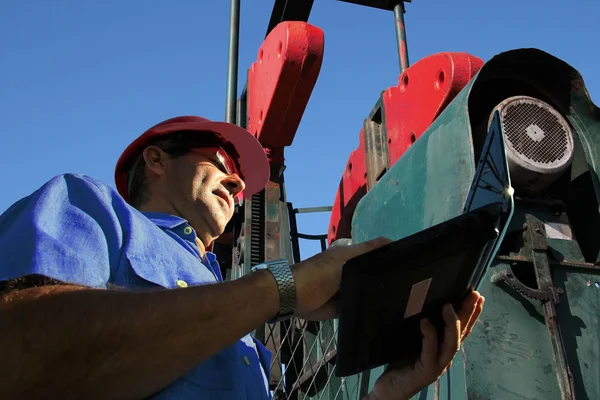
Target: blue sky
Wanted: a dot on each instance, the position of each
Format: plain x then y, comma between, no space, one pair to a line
81,79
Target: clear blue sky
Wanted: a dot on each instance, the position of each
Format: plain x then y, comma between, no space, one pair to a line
81,79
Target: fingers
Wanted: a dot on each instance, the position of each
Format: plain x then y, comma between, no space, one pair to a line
474,317
452,336
429,354
457,326
467,309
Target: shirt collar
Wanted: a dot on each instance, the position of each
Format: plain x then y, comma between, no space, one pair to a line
166,221
210,257
169,221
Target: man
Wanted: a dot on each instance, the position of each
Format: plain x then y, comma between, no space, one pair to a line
112,295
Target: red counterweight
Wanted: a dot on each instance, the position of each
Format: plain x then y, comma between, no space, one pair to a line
352,187
280,83
424,90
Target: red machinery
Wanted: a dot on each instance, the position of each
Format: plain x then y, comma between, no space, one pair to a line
405,111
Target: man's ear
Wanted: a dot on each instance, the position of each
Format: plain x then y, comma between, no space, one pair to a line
155,159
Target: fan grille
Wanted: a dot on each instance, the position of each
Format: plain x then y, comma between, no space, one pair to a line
536,133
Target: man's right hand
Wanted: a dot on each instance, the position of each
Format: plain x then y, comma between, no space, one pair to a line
318,279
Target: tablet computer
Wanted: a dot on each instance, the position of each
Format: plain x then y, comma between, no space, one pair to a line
386,292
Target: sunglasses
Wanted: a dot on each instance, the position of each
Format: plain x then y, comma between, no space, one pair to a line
226,164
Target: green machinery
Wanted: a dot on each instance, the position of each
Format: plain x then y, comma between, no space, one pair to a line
539,335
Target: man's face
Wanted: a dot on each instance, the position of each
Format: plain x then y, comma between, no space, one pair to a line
202,190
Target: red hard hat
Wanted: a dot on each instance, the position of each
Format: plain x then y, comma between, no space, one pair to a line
253,162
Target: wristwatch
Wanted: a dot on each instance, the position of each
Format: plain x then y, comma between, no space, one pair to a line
282,272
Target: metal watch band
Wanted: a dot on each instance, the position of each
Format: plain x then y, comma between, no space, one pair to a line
282,273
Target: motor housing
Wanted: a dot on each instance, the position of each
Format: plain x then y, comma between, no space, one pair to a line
539,142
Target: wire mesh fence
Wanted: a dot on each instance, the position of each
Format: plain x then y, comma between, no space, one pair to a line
303,362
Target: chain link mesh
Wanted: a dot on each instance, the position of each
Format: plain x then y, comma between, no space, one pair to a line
303,362
303,352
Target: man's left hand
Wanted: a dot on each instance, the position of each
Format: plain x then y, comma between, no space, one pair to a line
401,382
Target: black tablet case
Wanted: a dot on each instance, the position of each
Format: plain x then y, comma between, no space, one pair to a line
383,291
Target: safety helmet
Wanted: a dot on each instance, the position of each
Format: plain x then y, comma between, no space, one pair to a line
252,160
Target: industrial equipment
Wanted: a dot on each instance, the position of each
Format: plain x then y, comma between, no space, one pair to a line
539,335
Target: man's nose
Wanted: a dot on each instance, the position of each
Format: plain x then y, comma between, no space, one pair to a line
234,184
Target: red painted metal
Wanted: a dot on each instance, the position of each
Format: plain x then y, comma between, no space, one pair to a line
281,81
422,93
352,187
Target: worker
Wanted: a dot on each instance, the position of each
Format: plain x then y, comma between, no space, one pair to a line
114,294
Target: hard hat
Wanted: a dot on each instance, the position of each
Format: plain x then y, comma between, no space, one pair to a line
252,160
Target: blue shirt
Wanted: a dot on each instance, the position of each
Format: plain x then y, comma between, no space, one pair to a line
79,230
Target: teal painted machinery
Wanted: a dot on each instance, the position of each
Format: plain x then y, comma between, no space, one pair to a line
539,335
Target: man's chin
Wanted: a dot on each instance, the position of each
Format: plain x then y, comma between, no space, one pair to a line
221,219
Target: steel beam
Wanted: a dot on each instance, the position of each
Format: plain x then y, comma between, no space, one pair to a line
289,10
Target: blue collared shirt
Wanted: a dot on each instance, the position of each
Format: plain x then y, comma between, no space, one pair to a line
79,230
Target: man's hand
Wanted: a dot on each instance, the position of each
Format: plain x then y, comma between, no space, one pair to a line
401,382
318,279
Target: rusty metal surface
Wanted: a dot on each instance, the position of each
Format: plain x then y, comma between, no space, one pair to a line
509,355
575,265
537,240
399,11
376,146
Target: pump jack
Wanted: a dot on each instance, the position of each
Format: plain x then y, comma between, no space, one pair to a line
412,170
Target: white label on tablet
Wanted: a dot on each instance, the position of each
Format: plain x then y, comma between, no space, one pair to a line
416,299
